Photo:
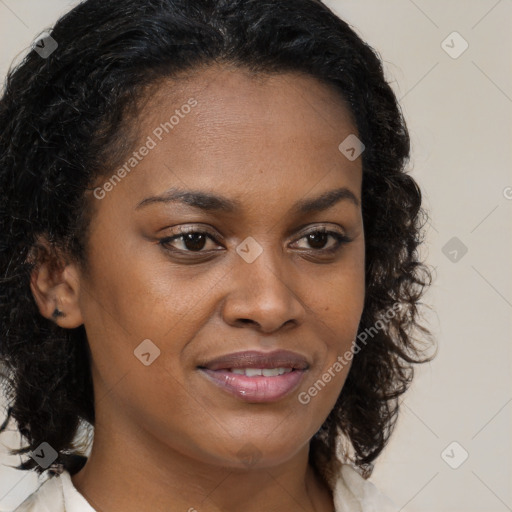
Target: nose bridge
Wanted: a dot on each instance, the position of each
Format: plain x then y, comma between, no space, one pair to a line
262,291
261,264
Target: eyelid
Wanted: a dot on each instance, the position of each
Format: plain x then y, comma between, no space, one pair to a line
195,228
202,228
340,237
322,227
183,230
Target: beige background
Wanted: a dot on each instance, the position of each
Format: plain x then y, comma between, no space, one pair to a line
459,115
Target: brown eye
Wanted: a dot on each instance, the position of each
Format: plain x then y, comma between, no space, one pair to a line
194,241
190,241
319,238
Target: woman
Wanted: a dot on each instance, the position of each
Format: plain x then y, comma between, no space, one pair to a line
209,253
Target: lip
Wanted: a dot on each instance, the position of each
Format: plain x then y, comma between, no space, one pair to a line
257,389
256,359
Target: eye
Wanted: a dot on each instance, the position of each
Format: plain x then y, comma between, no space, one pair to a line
191,240
318,238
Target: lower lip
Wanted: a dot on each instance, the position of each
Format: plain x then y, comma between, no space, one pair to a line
255,389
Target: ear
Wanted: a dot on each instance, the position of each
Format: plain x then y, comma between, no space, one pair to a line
55,285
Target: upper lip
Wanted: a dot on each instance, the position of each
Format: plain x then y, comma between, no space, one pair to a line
256,359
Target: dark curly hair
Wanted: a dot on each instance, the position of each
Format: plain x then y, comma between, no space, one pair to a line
64,121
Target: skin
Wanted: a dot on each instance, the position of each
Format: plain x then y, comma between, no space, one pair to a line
165,437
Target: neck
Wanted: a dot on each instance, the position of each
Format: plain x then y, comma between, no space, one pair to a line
169,480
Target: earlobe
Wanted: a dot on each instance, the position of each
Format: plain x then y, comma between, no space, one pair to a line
56,290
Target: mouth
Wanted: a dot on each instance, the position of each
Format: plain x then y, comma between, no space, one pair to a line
257,376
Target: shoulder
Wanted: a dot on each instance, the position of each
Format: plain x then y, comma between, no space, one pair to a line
47,497
56,494
352,493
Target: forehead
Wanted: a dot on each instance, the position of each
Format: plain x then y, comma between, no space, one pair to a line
233,96
245,134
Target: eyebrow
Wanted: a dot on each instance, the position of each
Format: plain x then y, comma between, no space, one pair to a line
214,203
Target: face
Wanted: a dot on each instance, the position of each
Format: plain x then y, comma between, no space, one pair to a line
272,260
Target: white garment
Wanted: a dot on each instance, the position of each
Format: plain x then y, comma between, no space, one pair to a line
351,493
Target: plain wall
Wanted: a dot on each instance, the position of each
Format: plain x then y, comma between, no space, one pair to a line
459,115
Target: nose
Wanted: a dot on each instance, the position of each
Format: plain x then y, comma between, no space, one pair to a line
265,293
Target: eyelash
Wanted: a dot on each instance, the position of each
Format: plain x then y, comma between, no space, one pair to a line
341,240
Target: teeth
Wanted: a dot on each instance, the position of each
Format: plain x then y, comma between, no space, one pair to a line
252,372
265,372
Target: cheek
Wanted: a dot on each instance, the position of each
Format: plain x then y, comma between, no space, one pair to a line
338,308
144,296
339,300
